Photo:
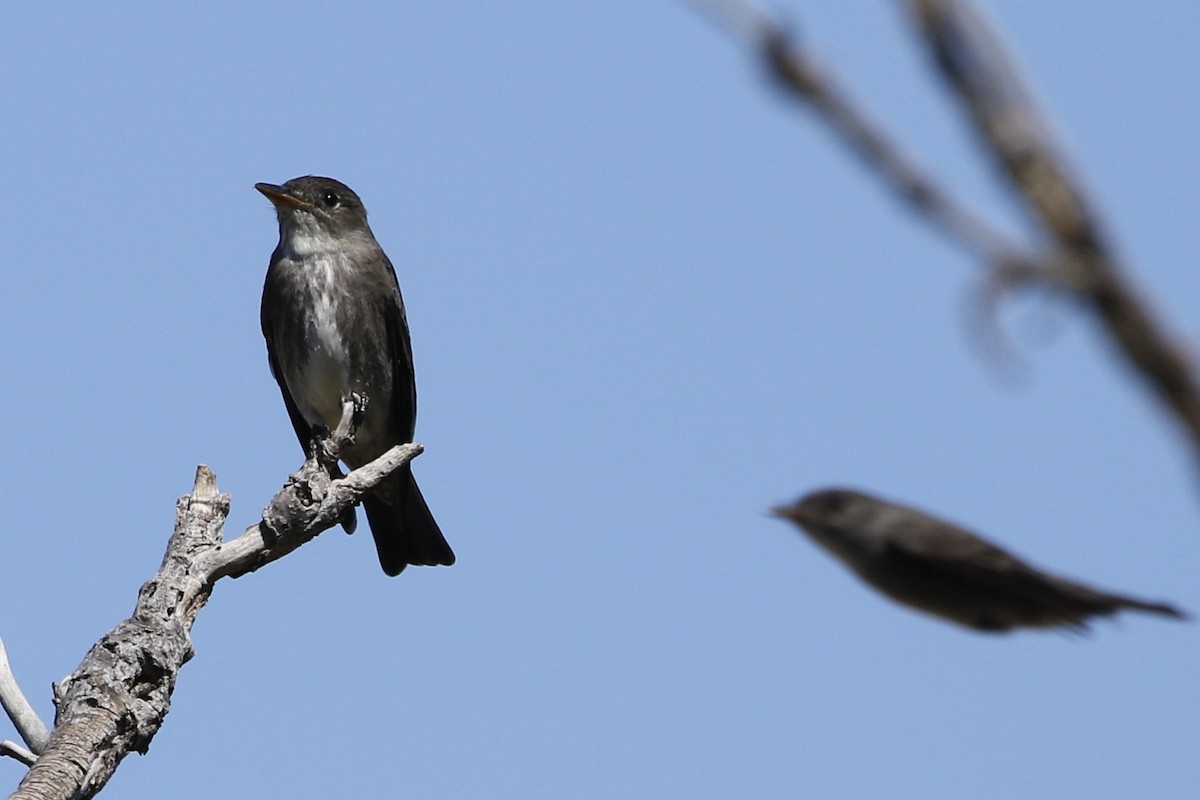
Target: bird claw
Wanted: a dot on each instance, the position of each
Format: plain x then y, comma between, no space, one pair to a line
359,402
328,445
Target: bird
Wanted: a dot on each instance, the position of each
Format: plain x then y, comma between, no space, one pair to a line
334,323
945,570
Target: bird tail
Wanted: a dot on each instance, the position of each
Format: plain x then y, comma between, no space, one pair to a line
404,529
1166,609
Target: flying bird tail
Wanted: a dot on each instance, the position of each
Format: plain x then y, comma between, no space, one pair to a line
1165,609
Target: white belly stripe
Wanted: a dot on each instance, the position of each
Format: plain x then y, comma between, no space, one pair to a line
322,378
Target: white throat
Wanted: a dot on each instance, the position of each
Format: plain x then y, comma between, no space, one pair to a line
301,236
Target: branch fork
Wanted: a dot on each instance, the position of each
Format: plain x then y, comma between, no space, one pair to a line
115,701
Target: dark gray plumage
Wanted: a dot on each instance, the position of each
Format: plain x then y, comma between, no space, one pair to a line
944,570
334,322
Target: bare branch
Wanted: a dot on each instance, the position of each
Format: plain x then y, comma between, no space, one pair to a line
115,701
293,518
14,750
28,724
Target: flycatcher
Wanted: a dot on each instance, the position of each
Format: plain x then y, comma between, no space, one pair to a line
944,570
334,322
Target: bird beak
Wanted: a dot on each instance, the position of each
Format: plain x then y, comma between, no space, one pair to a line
788,512
280,198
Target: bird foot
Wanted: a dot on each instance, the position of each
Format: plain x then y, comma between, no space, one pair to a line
328,446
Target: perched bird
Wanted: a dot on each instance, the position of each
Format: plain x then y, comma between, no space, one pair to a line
334,322
944,570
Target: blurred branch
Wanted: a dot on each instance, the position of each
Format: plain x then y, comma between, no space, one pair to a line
1077,259
975,64
803,78
985,79
115,701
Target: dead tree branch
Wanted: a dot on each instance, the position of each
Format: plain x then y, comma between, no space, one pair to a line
115,701
28,724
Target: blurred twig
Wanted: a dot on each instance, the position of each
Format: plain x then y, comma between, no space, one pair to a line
1075,257
802,77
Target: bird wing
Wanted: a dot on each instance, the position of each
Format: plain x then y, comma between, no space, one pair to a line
304,430
939,541
957,574
948,549
399,343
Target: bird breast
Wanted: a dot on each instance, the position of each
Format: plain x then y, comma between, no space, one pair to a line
321,378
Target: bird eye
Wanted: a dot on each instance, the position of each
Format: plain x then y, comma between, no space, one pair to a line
330,199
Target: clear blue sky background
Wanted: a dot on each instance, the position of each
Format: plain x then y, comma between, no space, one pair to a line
648,300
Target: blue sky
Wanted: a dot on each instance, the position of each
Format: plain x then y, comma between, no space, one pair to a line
648,300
